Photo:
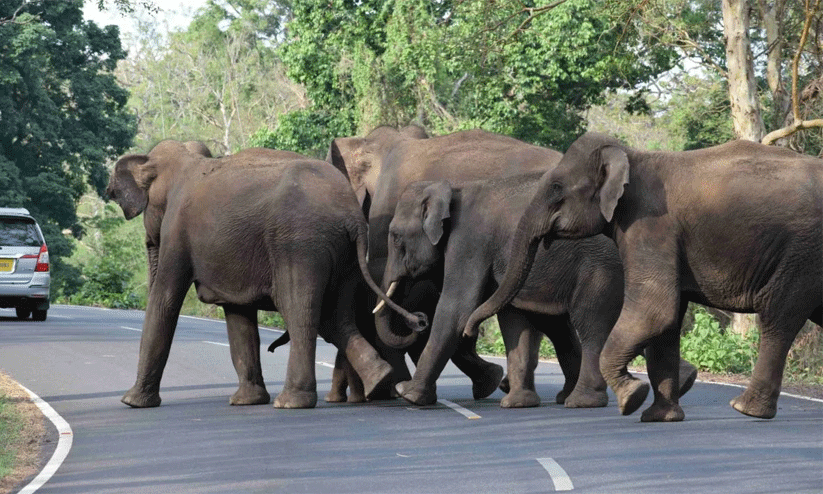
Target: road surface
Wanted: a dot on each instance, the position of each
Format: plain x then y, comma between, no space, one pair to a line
82,360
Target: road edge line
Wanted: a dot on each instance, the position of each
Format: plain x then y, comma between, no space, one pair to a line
64,442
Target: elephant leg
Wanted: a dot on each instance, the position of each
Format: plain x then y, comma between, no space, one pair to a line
244,345
461,295
357,391
298,293
374,372
590,391
522,343
486,376
339,380
162,310
777,335
566,346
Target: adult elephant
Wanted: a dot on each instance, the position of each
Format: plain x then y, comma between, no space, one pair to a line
735,226
258,230
465,234
381,164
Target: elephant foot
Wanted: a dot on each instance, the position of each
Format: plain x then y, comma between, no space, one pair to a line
504,385
755,406
688,374
631,395
250,394
335,396
296,399
416,394
560,399
488,382
137,399
521,398
587,398
356,398
378,380
663,412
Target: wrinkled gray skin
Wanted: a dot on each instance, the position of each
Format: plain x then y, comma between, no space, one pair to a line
467,233
258,230
381,165
736,227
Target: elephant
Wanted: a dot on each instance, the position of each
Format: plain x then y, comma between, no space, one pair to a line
257,230
735,227
381,164
465,234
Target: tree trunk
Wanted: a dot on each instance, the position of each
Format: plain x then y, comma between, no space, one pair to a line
748,122
773,23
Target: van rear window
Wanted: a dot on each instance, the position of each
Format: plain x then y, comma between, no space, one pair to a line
18,232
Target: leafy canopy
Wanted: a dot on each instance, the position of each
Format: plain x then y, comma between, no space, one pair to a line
62,113
453,65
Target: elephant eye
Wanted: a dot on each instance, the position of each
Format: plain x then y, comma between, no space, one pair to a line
395,238
556,190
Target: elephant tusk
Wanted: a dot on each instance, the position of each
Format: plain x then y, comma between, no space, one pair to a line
389,293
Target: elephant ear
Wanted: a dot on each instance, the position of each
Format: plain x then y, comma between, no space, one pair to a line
436,201
127,184
343,154
614,168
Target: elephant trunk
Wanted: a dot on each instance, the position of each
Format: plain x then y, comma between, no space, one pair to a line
417,321
524,248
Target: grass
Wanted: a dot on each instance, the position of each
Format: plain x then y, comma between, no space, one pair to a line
21,433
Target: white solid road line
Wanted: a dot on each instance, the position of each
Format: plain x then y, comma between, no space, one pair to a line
561,480
65,438
215,343
131,329
457,408
325,364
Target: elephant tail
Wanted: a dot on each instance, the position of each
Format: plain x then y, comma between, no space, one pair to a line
282,340
358,233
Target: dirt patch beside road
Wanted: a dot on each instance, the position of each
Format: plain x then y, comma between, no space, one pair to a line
28,441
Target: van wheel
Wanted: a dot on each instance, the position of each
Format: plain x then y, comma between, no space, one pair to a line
23,313
39,315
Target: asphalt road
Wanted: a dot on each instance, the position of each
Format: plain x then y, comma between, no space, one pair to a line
82,360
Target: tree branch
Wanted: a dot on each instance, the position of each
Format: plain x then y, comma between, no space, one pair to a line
798,124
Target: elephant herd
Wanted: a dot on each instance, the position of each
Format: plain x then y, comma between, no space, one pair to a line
600,249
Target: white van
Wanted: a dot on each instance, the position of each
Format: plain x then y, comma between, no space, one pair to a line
24,265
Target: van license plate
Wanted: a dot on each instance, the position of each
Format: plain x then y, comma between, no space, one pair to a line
6,265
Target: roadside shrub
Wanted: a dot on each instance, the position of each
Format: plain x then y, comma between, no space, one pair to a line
711,349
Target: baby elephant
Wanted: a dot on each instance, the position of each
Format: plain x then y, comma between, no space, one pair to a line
466,233
257,230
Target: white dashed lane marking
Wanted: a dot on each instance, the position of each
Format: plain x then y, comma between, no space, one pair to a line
457,408
561,479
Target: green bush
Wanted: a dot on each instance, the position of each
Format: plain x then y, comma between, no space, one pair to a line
714,350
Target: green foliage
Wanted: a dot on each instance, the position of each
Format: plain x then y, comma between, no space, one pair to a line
217,81
63,114
699,112
457,65
712,350
304,131
109,268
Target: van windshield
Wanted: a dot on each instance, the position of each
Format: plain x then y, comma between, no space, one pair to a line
18,232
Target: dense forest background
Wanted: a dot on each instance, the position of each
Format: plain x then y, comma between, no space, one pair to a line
287,74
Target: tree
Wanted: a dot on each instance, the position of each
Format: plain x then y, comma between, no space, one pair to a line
521,71
62,114
217,81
